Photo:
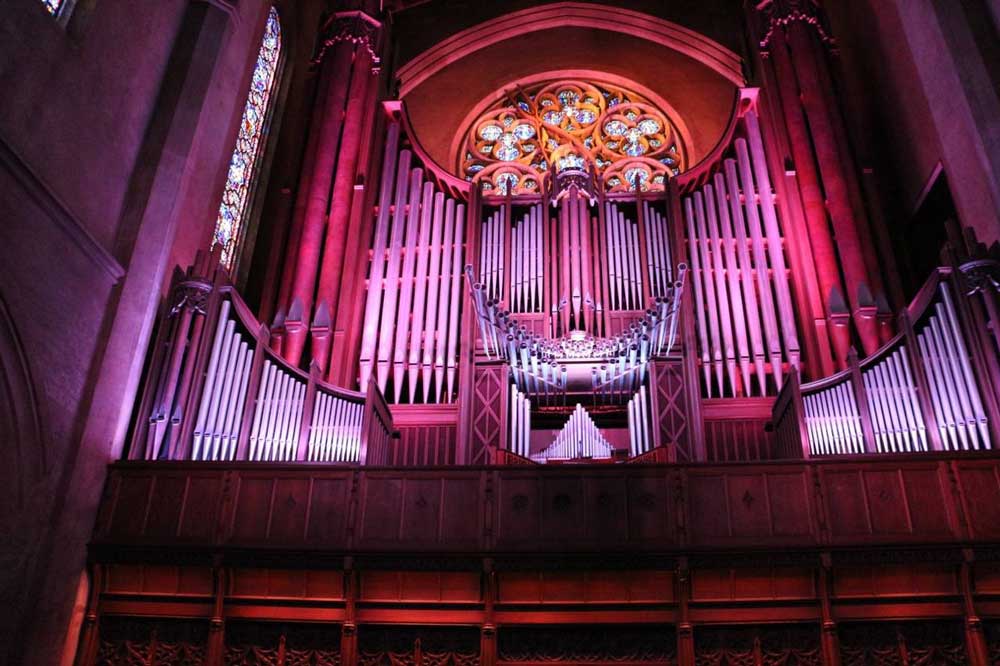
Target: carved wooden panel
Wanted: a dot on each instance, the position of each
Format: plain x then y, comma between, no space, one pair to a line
431,444
543,509
752,583
588,587
263,583
793,645
172,506
888,579
669,408
940,643
549,508
980,482
154,579
737,506
140,642
728,440
266,644
291,508
418,646
887,500
489,393
421,586
422,509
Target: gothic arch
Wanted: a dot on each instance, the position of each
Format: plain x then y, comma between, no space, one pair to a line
570,14
20,424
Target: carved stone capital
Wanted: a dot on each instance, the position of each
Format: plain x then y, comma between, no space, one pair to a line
777,14
981,276
191,294
355,27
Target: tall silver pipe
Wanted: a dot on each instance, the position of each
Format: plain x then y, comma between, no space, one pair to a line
700,305
454,299
444,292
389,165
749,293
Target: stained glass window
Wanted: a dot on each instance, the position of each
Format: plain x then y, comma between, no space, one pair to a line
231,224
622,137
53,6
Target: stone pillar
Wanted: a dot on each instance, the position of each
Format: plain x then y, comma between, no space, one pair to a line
145,236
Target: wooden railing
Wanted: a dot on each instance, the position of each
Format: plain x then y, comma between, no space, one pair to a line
215,390
933,387
934,498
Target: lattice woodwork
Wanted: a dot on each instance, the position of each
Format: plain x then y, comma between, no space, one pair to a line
902,644
489,390
133,642
260,644
748,646
669,409
418,646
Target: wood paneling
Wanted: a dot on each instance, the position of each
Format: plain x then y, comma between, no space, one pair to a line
586,509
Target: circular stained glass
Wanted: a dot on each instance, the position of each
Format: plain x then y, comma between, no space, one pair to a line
490,132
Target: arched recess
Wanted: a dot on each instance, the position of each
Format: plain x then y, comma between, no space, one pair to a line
692,77
570,14
20,425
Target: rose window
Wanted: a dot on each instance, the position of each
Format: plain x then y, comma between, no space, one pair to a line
628,142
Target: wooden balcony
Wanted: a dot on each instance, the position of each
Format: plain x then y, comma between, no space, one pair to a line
302,509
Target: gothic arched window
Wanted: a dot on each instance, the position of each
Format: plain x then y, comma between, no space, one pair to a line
231,223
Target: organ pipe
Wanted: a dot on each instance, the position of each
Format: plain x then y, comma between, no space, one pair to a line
579,438
412,306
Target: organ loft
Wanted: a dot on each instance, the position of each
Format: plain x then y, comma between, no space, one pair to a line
450,333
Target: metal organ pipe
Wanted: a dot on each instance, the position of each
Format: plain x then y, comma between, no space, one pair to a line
760,261
746,275
411,311
430,315
585,261
454,300
774,241
698,276
402,320
733,278
579,438
708,286
520,422
377,271
450,272
725,320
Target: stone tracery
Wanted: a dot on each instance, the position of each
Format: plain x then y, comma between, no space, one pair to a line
571,124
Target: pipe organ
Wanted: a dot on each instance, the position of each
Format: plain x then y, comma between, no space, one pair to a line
410,335
580,438
746,324
634,311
